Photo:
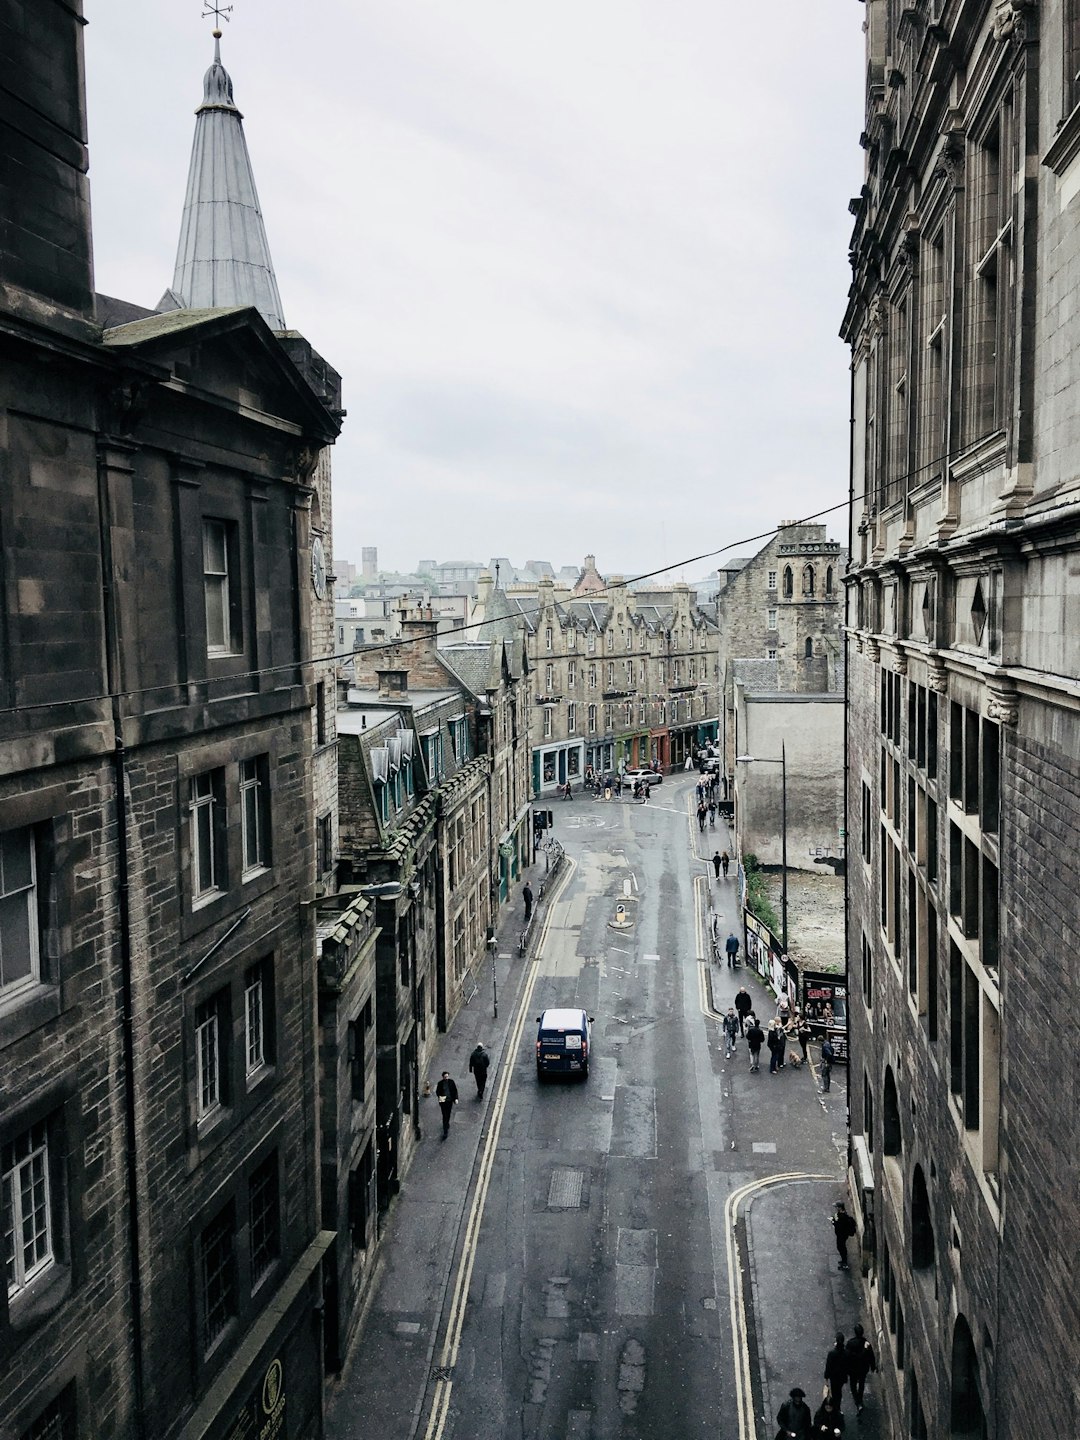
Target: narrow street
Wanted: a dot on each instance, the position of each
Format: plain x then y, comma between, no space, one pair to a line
645,1253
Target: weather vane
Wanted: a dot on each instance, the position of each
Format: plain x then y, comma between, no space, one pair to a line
219,12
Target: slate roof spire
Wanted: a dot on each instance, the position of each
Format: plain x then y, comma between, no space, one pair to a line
223,257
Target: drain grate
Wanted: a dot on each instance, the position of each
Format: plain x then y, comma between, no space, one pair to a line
565,1191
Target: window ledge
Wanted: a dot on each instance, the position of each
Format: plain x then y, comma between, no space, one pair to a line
27,1011
41,1298
1065,145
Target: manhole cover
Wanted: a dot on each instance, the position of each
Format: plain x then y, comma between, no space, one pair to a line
565,1191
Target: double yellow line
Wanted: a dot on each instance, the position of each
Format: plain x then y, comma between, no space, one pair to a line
744,1390
448,1354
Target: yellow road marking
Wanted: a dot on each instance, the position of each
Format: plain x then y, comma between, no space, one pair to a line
448,1355
744,1392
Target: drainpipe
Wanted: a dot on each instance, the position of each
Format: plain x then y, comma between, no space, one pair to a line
123,871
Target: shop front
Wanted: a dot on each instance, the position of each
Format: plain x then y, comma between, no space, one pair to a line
660,747
600,757
683,744
554,765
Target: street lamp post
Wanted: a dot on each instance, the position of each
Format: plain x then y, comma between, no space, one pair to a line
782,762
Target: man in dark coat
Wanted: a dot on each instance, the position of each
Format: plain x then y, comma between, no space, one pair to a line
527,896
861,1360
731,945
479,1061
446,1091
716,863
844,1227
794,1417
755,1038
836,1369
743,1005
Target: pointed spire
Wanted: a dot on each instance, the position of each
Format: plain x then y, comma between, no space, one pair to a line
223,257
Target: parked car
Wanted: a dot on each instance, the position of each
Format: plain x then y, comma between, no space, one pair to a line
710,765
647,777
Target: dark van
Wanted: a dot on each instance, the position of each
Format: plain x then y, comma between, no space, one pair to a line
562,1043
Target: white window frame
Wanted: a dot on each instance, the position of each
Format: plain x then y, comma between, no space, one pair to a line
255,1020
218,583
571,718
591,717
571,675
14,901
26,1208
253,824
209,1099
772,616
549,724
203,809
772,579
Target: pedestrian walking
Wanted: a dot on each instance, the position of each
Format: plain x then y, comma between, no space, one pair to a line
802,1030
725,861
743,1007
828,1055
836,1369
861,1360
479,1061
446,1092
794,1417
844,1227
755,1038
701,813
731,945
731,1032
527,897
717,861
712,814
567,793
774,1042
828,1419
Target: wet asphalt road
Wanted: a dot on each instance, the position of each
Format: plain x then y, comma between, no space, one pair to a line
573,1279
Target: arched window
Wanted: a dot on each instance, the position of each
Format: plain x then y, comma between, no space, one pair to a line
965,1408
922,1227
809,648
789,583
808,580
891,1136
828,581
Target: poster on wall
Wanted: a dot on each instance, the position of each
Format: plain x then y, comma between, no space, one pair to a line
263,1414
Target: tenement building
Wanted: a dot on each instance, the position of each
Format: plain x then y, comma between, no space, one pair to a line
158,1154
964,724
619,680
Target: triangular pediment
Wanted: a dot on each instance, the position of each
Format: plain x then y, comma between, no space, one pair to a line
232,355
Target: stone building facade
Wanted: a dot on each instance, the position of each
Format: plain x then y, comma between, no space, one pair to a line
964,717
619,680
157,1056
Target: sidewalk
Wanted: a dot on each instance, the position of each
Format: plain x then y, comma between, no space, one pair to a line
798,1296
393,1355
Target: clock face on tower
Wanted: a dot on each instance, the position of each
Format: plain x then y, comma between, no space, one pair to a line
318,568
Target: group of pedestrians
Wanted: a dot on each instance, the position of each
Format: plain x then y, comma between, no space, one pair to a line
848,1362
446,1091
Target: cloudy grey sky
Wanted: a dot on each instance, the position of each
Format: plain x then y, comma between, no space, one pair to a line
580,264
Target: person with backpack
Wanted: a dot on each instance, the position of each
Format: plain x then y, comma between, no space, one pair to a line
844,1227
731,945
828,1055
